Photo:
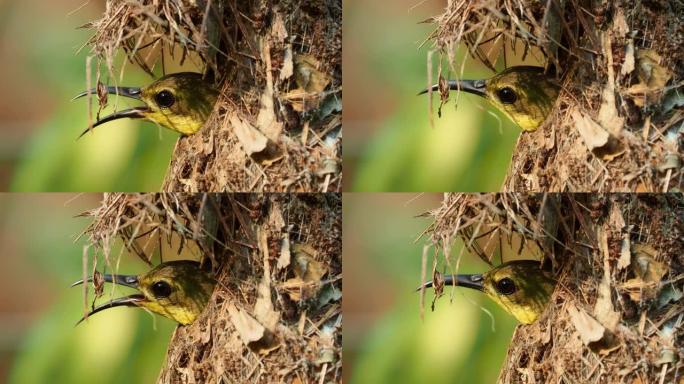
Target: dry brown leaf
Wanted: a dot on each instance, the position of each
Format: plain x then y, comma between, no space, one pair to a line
594,335
266,120
604,307
596,138
590,330
307,76
249,328
252,333
263,308
308,273
306,266
310,84
645,264
592,133
251,139
650,72
652,78
649,272
608,115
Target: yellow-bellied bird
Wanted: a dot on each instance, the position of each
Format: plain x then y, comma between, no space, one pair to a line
181,102
520,287
178,290
524,93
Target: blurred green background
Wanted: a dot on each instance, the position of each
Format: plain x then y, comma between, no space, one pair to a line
389,144
41,72
385,340
38,340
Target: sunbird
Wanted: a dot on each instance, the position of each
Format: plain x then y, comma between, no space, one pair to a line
524,93
178,290
181,102
520,287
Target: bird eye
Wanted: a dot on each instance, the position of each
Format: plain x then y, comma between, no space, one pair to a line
506,286
161,289
507,95
164,99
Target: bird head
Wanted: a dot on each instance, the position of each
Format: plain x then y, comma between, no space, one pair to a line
181,102
520,287
178,290
524,93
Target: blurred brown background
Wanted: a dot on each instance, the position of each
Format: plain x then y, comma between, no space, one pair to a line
41,70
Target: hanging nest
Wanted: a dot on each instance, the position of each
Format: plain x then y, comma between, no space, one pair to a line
277,123
275,315
617,311
618,121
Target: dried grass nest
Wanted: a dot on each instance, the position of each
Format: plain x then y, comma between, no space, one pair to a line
618,122
275,315
277,124
617,313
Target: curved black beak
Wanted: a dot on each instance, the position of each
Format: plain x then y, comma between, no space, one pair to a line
130,281
134,113
127,301
469,281
477,87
